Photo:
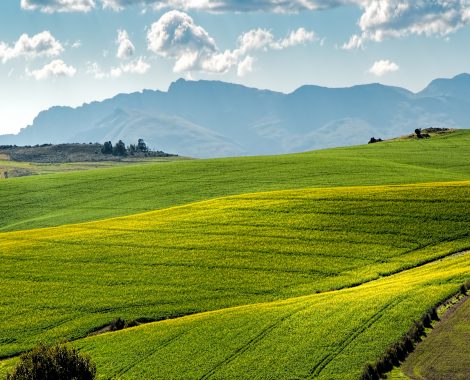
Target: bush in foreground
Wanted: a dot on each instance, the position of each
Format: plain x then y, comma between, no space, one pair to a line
58,362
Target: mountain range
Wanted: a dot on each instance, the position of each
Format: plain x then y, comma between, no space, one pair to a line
216,119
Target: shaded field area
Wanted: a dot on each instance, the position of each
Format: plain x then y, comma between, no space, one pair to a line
57,199
66,281
445,353
330,335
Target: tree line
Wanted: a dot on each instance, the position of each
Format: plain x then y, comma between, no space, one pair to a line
120,148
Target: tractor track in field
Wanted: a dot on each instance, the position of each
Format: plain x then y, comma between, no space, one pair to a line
327,359
318,368
252,342
145,357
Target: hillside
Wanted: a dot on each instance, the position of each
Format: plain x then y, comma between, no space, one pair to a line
306,265
444,353
214,119
236,251
96,194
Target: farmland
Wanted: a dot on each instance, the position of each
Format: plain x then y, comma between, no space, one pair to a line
298,266
444,353
56,199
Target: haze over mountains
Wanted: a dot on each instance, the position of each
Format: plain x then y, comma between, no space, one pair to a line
212,119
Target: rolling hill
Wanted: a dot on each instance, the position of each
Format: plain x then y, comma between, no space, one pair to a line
299,266
214,119
218,254
97,194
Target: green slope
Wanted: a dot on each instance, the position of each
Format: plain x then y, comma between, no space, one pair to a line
445,352
62,282
327,336
75,197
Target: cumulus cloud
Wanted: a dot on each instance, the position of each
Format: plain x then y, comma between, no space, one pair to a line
382,19
176,36
94,69
51,6
245,66
126,48
382,67
276,6
56,68
41,44
137,66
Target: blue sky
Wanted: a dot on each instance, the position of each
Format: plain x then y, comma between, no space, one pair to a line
66,52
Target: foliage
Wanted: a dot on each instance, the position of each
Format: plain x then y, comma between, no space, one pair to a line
107,148
120,149
59,362
142,146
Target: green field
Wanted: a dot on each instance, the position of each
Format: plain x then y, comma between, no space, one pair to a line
445,352
313,281
58,199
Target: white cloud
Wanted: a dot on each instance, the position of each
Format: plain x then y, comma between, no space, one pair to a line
276,6
76,44
176,32
51,6
56,68
382,19
138,66
297,37
256,39
176,36
41,44
245,66
355,42
93,68
382,67
126,48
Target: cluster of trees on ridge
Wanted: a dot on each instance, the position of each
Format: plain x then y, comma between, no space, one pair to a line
120,149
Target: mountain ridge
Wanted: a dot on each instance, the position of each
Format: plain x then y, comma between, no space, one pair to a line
215,118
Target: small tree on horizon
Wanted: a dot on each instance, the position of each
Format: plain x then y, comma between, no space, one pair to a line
107,148
142,146
120,149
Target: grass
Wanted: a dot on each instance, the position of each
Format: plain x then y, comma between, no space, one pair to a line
326,336
444,353
321,264
65,281
58,199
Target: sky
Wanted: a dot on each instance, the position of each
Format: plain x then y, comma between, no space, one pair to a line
67,52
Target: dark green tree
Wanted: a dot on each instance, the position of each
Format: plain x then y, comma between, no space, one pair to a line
120,149
107,148
142,146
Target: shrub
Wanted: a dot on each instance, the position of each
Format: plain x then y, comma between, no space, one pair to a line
117,324
463,290
58,362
